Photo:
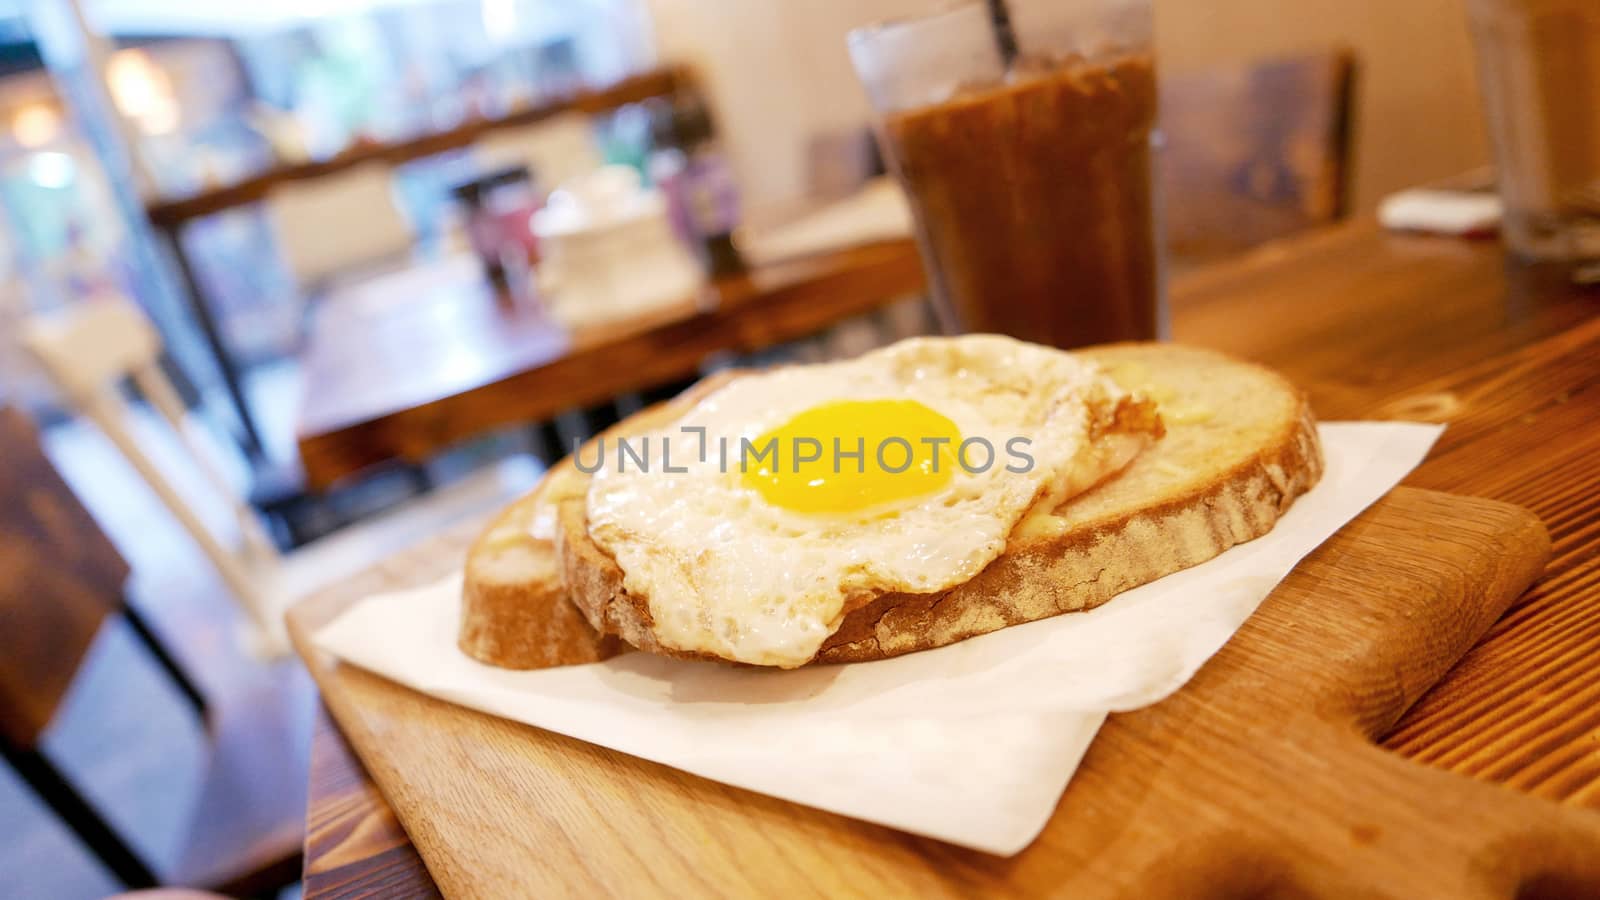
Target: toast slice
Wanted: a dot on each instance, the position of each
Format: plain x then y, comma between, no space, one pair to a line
515,612
1241,445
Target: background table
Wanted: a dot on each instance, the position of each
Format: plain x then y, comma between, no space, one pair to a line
405,365
1372,326
172,215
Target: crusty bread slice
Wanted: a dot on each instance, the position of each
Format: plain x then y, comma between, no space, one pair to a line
1241,444
514,611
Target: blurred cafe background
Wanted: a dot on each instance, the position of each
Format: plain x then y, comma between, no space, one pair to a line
286,286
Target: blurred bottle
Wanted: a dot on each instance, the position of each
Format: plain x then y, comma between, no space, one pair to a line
1539,64
498,208
690,168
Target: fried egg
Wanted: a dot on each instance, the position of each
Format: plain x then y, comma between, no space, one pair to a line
787,498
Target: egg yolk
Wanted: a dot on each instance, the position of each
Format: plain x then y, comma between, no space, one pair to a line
850,455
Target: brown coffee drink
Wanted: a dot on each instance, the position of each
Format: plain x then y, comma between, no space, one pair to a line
1035,203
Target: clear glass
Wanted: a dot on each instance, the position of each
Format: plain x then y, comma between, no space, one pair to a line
1539,64
1031,181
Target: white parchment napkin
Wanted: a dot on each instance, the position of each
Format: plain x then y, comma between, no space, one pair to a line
971,743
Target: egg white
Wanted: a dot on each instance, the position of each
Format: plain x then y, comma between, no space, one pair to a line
728,574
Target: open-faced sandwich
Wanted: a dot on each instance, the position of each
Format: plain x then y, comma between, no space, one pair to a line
924,493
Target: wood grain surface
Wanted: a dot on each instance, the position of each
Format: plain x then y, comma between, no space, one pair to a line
1382,326
357,847
437,358
1196,790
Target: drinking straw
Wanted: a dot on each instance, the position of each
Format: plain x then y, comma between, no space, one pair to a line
1004,36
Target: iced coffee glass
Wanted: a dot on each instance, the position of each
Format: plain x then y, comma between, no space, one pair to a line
1539,68
1026,154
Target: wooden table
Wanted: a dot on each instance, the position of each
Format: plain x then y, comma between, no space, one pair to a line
403,366
1373,326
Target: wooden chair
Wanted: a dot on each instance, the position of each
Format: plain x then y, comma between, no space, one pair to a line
1254,152
339,226
91,349
60,579
554,150
839,163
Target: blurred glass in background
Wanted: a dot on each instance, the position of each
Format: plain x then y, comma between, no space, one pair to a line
1539,65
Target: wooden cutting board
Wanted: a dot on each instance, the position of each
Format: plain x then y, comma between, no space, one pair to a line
1260,777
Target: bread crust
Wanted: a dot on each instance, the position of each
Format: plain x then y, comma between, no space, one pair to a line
525,622
1093,562
1086,564
515,608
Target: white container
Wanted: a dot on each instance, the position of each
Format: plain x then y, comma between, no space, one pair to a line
609,252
